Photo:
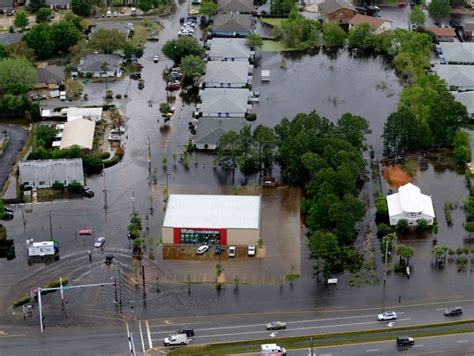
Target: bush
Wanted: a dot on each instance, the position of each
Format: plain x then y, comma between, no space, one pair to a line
58,186
74,187
403,225
383,230
422,225
118,96
251,117
56,283
112,161
105,155
26,299
381,206
448,206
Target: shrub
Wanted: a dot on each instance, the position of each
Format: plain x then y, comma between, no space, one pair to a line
422,225
403,225
56,283
448,206
74,187
383,230
112,162
251,117
118,96
105,155
58,186
381,206
26,299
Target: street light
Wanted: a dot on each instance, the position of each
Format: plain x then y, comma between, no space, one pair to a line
133,202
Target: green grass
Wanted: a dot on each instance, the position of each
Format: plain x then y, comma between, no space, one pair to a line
275,46
142,30
271,21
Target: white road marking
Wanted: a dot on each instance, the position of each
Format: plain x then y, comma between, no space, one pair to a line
273,334
461,341
293,329
325,354
149,335
263,324
440,309
372,350
141,335
418,345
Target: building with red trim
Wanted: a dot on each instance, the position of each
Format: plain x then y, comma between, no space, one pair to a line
212,219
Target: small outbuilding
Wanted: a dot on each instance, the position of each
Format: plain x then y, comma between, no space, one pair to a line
410,204
212,219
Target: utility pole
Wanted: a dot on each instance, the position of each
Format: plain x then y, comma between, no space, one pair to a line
133,202
312,346
143,276
23,215
167,184
40,310
385,264
115,287
105,187
120,284
149,155
50,227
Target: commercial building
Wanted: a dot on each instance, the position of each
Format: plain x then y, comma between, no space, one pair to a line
212,219
411,205
79,132
240,6
44,173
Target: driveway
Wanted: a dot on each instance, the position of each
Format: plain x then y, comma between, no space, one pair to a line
17,139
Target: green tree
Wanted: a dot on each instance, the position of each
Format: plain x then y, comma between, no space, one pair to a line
107,40
3,51
299,32
81,7
80,23
417,16
45,136
43,15
323,245
403,225
246,160
421,225
21,20
333,35
265,142
145,5
358,35
462,147
130,51
405,252
17,75
193,66
383,230
227,151
439,9
439,252
181,47
40,40
36,5
282,7
208,8
20,49
254,41
65,35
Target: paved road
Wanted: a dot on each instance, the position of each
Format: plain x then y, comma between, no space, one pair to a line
17,140
241,327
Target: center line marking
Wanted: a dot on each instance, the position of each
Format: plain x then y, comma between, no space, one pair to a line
372,350
418,345
460,341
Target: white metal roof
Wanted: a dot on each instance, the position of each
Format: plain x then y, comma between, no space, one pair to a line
409,200
213,211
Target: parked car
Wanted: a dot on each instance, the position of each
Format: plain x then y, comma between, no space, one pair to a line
452,311
155,58
62,95
115,14
7,209
10,12
390,315
219,249
201,250
173,86
251,250
405,341
109,259
8,215
87,192
99,242
188,331
136,75
232,251
153,38
276,325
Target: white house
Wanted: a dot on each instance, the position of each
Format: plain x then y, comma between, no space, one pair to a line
411,205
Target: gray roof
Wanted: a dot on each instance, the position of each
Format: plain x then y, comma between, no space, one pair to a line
330,6
461,52
51,170
232,23
93,62
50,74
210,130
456,75
58,2
224,100
241,6
9,38
229,48
6,4
467,99
226,72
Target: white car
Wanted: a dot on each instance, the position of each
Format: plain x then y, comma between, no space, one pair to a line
201,250
251,250
100,242
155,58
62,95
232,251
390,315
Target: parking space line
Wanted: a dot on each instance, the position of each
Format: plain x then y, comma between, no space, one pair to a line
372,350
462,341
141,335
148,333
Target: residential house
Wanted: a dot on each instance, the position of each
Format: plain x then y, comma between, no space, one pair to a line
79,132
377,25
232,25
411,205
7,38
58,4
50,77
456,53
94,64
44,173
442,34
210,130
457,77
468,31
339,11
225,103
92,114
229,49
6,5
123,27
467,99
227,75
240,6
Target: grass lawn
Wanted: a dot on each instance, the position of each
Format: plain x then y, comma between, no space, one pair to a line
142,30
275,46
271,21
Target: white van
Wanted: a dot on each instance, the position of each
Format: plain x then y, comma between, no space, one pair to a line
177,339
272,350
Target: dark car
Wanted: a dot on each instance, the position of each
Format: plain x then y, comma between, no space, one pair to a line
109,259
8,215
86,192
136,75
188,331
405,341
219,249
452,311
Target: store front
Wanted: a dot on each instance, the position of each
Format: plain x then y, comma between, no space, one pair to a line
200,236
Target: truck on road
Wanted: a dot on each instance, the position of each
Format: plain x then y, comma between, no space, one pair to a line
272,350
177,339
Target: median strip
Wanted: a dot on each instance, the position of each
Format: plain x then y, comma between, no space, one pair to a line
333,339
